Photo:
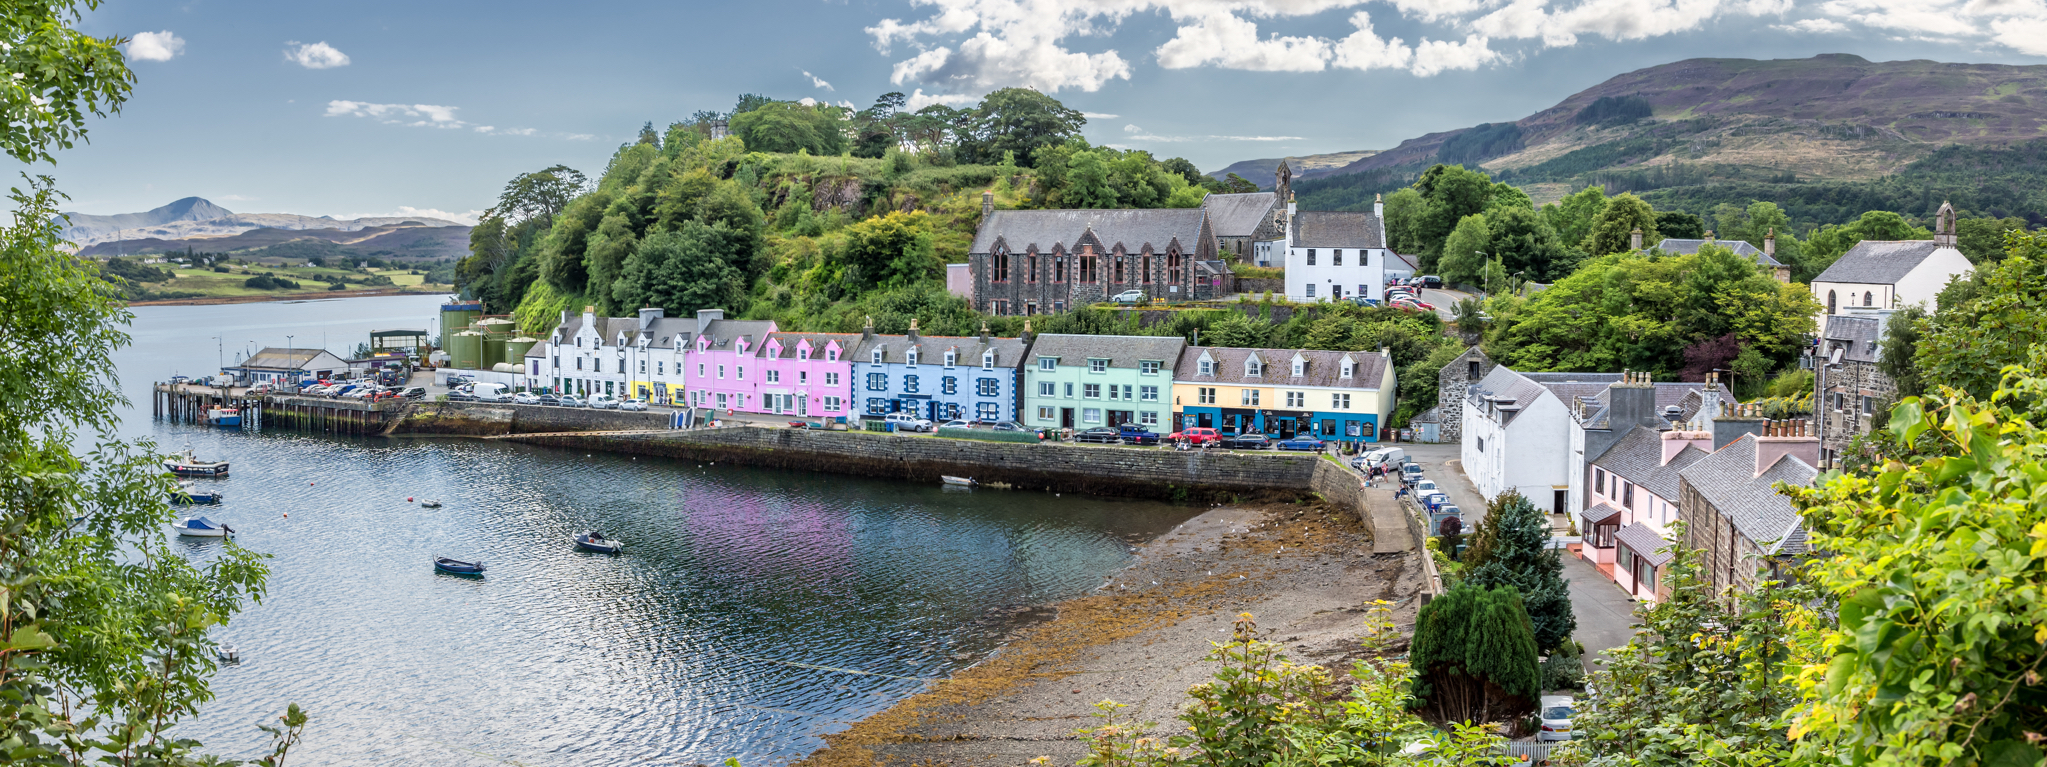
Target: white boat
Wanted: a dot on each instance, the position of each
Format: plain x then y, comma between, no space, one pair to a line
201,527
228,653
961,481
185,464
429,504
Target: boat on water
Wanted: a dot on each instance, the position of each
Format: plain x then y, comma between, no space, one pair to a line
457,567
595,541
188,494
225,417
186,464
959,481
201,527
226,652
429,504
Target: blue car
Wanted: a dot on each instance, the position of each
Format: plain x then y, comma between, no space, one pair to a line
1305,442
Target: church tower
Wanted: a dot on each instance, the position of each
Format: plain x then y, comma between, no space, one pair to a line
1944,225
1283,182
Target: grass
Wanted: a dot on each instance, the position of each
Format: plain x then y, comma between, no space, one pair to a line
312,280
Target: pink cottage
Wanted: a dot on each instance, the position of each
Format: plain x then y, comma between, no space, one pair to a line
806,375
724,366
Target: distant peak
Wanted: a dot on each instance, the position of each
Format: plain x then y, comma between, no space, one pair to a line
1849,58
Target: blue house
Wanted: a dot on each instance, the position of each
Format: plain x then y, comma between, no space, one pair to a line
942,378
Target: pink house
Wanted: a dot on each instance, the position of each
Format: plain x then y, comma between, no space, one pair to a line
1633,501
724,366
806,375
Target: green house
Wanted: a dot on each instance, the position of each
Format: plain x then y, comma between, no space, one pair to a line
1080,382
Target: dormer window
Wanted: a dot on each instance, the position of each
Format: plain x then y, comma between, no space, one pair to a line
831,355
1252,368
1207,366
1346,368
987,360
950,358
802,352
1048,364
1300,368
877,356
910,357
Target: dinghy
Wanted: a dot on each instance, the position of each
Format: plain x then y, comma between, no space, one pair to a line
457,567
429,504
187,494
960,481
595,541
227,653
186,464
201,527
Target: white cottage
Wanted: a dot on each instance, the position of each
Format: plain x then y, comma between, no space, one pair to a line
1891,274
1336,255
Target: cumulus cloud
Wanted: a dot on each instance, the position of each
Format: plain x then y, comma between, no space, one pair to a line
1097,116
919,99
491,130
415,115
1232,42
318,55
1135,133
1815,26
155,46
1364,50
1432,56
819,81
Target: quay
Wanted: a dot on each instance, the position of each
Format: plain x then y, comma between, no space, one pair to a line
188,403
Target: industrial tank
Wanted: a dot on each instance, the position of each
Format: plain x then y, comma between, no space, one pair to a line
465,350
458,316
516,349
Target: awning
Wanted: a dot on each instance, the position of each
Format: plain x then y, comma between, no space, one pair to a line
1647,544
1601,514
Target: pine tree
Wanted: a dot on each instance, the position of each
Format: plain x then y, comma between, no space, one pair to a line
1513,550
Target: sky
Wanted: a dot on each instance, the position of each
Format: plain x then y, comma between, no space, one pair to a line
428,108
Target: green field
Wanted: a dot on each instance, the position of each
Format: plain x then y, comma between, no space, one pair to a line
206,283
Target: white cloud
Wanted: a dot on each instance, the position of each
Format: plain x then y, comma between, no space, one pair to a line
318,55
235,198
580,136
1364,50
2026,35
1815,26
919,99
1225,40
1432,56
1139,134
415,115
491,130
1097,116
155,46
819,81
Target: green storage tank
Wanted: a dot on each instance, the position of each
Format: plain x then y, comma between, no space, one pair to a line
516,349
493,350
465,350
458,316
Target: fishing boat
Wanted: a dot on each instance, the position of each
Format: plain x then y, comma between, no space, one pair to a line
960,481
429,504
225,417
186,464
595,541
201,527
226,652
457,567
188,494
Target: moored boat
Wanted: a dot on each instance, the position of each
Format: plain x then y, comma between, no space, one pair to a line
595,541
960,481
225,417
186,464
429,504
201,527
188,494
457,567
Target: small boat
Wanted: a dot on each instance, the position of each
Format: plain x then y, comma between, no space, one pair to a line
201,527
429,504
187,495
186,464
961,481
595,541
457,567
225,417
226,652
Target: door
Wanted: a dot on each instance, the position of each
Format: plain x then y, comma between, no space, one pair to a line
802,405
1066,418
1557,506
1205,420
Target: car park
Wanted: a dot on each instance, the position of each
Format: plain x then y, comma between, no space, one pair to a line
1251,441
1102,434
1425,487
635,404
1129,297
906,422
1432,499
1198,435
1557,712
1303,443
526,398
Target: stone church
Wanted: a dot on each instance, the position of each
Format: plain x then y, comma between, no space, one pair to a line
1027,262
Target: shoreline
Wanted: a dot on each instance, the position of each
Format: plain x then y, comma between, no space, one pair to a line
308,296
1305,569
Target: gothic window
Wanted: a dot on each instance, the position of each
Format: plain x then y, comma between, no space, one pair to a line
1031,268
1144,272
1830,302
1868,298
1001,266
1119,268
1059,270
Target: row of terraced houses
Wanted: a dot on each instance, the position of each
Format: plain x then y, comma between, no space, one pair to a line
1044,381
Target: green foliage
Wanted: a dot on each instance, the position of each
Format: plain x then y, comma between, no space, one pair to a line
1982,239
1572,216
1681,225
1020,121
1614,226
1526,244
1452,193
1239,331
1404,211
1475,657
786,126
1516,553
59,77
134,271
1966,344
1464,252
1895,354
1484,142
685,270
267,282
1614,110
1979,180
1827,245
891,251
1088,182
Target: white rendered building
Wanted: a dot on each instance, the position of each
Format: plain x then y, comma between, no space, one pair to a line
1336,255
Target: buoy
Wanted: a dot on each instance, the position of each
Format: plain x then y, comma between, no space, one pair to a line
408,499
287,515
309,484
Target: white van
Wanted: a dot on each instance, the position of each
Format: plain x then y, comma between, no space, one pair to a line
1385,456
490,392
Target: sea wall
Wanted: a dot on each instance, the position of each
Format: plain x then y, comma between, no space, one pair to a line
1095,470
480,419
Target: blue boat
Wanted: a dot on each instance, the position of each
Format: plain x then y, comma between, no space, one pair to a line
188,495
225,417
201,527
595,541
457,567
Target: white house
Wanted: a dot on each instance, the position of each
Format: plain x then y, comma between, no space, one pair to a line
1891,274
1515,430
1334,255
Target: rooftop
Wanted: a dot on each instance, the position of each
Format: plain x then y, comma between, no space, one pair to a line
1021,230
1879,262
1727,480
1121,351
1337,229
1323,368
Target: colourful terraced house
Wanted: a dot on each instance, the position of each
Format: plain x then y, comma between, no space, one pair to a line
723,368
940,378
806,375
1334,395
1080,382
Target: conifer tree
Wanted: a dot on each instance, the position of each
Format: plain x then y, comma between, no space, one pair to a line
1474,656
1515,552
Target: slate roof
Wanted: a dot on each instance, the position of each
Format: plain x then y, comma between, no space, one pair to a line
608,328
1505,382
818,342
1414,263
1431,415
1740,248
1009,352
1856,336
1600,512
1646,543
1638,458
1727,480
540,350
1238,215
1020,230
1324,369
1121,351
1337,229
722,332
1684,394
281,359
1878,262
664,331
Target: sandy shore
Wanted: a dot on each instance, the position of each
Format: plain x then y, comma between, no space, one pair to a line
1305,570
309,296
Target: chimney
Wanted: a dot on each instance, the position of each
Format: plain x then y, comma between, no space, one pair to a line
984,331
867,332
1379,205
1676,440
1709,237
1735,421
1026,336
649,315
565,318
987,206
707,316
1632,403
913,331
1290,207
1635,239
1770,243
1709,403
1786,438
590,317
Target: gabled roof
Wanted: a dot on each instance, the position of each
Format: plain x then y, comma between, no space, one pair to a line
1740,247
663,331
540,350
1504,382
1324,368
1646,543
1879,262
1857,336
1414,263
818,343
1021,230
1121,351
1727,480
931,350
275,358
1638,458
1238,215
721,333
1337,229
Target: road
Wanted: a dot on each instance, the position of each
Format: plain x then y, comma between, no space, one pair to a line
1445,300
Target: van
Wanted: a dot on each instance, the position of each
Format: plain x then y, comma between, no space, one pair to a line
1384,455
490,392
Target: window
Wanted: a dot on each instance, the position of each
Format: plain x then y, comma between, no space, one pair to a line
774,376
1091,391
831,404
1868,405
1098,366
987,360
1300,368
1001,266
1119,268
1481,444
1311,256
1148,393
1364,259
621,365
579,363
1069,391
1204,395
1471,370
1044,414
1336,257
802,376
1627,495
1059,270
877,382
1207,367
831,355
950,357
1868,298
1252,367
1296,399
721,372
803,353
1091,415
987,387
1598,477
949,385
579,342
700,370
987,411
557,361
1148,418
876,406
739,371
831,379
1031,268
877,356
643,367
1048,389
1346,369
1250,397
1048,364
1830,302
1148,367
660,368
910,384
1126,391
1311,290
1339,402
1058,306
910,357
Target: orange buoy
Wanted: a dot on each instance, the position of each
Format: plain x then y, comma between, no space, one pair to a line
408,499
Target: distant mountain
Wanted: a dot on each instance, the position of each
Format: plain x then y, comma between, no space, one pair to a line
411,238
194,217
1260,171
1702,129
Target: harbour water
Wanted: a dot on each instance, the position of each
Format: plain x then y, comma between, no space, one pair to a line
752,611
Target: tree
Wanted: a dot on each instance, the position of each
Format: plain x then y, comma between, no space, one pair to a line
1235,184
538,196
1613,228
1021,120
1474,656
61,76
1238,331
1829,243
1895,355
694,267
1179,166
1518,555
1967,345
1404,209
1088,182
1681,225
1982,239
786,126
892,250
1463,253
1526,244
1452,193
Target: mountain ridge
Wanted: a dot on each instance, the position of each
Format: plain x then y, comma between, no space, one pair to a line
192,218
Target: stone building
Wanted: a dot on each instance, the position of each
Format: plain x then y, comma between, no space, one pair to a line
1734,516
1766,257
1452,381
1027,262
1849,390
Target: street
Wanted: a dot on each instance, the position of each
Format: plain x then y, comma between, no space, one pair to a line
1445,300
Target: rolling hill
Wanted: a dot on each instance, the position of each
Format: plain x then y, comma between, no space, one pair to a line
195,217
411,239
1260,171
1829,133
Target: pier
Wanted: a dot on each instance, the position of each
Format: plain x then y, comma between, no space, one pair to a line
188,403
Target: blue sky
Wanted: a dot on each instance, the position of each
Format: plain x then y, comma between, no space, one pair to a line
382,108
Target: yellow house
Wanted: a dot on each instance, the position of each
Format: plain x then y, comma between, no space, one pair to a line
1334,395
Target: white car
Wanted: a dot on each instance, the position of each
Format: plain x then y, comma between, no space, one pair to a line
526,398
1556,711
907,422
956,424
603,402
1423,488
633,404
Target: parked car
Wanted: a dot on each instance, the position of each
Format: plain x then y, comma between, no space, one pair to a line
1363,301
1128,297
1103,434
907,422
1385,456
1424,487
265,387
1557,711
571,400
634,404
603,402
1199,435
1410,473
1448,510
1302,442
1432,499
526,398
1133,434
415,392
550,399
1423,304
1251,441
1009,426
1432,282
956,424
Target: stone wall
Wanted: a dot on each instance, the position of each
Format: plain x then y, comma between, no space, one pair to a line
1262,285
1095,470
1853,380
1451,383
481,419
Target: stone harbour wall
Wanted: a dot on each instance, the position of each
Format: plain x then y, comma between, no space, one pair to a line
482,419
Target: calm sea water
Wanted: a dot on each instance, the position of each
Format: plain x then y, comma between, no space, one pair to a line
752,611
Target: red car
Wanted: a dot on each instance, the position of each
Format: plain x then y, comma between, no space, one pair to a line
1199,435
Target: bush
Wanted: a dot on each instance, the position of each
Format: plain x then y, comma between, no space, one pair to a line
267,282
